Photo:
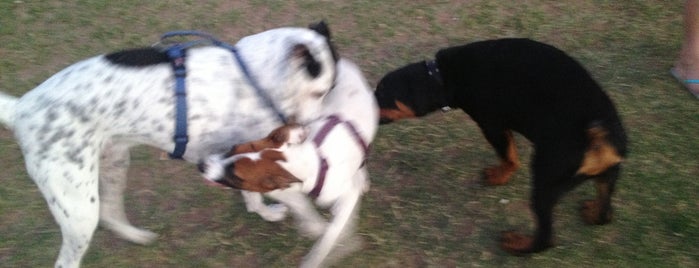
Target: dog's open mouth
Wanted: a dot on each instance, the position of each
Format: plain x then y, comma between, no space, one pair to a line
214,183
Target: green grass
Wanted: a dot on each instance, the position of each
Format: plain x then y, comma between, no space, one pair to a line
426,207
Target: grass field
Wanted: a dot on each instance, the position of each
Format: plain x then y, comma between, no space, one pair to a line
427,206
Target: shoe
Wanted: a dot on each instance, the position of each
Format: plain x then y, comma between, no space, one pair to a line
686,82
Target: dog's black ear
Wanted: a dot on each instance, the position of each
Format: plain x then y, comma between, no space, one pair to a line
322,28
300,52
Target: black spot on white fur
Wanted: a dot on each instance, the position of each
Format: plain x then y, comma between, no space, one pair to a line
138,57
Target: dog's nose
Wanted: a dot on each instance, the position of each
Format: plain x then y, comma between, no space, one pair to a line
202,167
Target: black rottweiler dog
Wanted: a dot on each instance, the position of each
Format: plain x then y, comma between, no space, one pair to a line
536,90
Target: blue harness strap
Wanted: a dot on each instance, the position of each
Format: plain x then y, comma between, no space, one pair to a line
177,53
177,57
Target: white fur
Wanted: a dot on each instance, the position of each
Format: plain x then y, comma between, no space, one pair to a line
78,125
297,135
346,180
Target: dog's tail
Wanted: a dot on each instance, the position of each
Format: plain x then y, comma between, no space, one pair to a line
7,109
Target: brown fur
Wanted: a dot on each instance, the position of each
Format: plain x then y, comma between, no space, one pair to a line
402,111
500,174
275,139
600,154
263,175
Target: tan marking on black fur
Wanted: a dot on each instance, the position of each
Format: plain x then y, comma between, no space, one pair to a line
500,174
600,154
516,243
403,111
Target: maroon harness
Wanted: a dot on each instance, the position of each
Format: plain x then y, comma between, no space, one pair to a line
330,123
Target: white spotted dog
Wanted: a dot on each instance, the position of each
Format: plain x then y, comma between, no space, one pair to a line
328,166
78,125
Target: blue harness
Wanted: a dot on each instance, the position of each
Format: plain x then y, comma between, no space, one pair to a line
177,53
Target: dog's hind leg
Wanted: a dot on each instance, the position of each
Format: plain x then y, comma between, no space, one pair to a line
551,178
515,243
70,189
114,164
599,210
310,223
341,226
504,144
602,162
343,213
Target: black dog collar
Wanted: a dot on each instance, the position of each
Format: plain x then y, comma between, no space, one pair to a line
433,70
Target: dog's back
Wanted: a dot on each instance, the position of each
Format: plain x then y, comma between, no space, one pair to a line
503,82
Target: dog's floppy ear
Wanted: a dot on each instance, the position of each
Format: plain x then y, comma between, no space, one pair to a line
263,175
301,53
278,178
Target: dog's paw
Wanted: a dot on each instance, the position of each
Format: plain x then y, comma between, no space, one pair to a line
345,247
273,212
129,232
138,236
519,245
592,213
496,175
312,229
342,249
142,237
516,243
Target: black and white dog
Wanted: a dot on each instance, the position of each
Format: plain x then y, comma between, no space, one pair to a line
75,129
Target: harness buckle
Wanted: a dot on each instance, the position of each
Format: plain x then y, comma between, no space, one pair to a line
181,139
179,70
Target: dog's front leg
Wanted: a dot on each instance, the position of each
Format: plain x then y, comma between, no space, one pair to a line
255,203
310,223
114,164
342,224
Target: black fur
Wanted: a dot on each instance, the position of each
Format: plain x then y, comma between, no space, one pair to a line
138,57
322,28
524,86
313,67
141,57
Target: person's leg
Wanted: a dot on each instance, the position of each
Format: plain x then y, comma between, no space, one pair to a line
687,66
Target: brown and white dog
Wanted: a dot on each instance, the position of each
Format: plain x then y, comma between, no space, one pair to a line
287,134
328,167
